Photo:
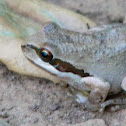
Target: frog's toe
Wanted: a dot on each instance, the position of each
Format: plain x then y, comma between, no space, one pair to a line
114,104
123,85
80,98
117,108
98,88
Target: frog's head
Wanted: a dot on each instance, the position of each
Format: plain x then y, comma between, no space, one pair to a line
49,49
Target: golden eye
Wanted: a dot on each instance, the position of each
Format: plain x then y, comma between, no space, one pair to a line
46,55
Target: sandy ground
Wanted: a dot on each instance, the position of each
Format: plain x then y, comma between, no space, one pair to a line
29,101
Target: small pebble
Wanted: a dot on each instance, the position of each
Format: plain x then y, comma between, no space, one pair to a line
54,107
4,115
34,107
3,123
35,120
9,108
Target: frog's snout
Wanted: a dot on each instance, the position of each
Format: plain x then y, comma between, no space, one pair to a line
29,46
25,46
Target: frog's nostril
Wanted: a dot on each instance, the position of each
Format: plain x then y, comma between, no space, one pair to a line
22,46
29,45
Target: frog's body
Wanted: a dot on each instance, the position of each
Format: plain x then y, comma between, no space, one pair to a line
104,55
101,53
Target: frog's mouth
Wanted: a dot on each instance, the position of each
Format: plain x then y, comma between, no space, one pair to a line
55,67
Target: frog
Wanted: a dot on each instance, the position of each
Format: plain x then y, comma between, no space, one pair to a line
92,64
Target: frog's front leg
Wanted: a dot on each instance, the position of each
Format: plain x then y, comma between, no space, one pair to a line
123,85
98,89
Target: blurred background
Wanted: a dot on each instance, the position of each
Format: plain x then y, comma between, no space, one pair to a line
25,17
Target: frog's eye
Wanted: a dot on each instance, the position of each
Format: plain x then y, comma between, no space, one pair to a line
45,55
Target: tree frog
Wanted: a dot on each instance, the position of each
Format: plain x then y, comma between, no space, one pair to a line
93,63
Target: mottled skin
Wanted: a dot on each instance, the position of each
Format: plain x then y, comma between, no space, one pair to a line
101,52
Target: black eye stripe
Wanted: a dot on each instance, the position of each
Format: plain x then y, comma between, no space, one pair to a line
67,67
